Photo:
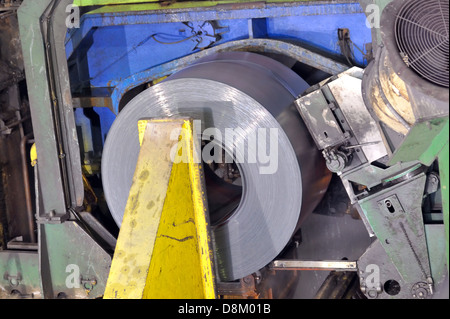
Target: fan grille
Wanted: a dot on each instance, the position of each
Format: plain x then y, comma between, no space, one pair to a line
422,33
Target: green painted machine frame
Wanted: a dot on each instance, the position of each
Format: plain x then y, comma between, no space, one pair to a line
65,237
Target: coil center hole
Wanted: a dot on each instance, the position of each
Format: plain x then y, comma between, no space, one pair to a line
223,181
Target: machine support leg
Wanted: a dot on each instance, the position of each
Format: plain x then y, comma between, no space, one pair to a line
444,172
164,247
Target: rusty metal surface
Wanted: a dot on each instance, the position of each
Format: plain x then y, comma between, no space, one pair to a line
16,213
339,285
244,288
9,75
30,220
263,46
92,101
13,187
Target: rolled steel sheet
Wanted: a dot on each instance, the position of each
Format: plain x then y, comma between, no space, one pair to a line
242,91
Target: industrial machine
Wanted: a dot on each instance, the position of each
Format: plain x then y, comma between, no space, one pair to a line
297,107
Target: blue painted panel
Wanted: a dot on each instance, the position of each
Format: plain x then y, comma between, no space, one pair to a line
92,129
118,45
109,49
107,117
321,32
119,51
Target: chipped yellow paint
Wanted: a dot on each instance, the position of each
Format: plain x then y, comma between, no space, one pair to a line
164,246
159,80
33,155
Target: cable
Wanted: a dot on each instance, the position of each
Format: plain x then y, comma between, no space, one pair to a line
153,36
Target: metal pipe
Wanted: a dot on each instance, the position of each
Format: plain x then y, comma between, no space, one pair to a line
337,285
336,265
15,123
26,182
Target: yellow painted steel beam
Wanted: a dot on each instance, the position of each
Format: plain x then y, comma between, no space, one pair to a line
164,245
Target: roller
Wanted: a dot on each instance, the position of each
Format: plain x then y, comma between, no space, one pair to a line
253,220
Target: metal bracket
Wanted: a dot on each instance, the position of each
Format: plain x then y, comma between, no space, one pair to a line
43,30
88,284
318,116
14,280
326,265
380,279
340,123
395,216
245,287
68,250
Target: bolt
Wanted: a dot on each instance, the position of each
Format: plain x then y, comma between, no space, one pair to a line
61,295
430,284
372,293
14,281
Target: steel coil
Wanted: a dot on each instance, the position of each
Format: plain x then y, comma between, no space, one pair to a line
242,91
